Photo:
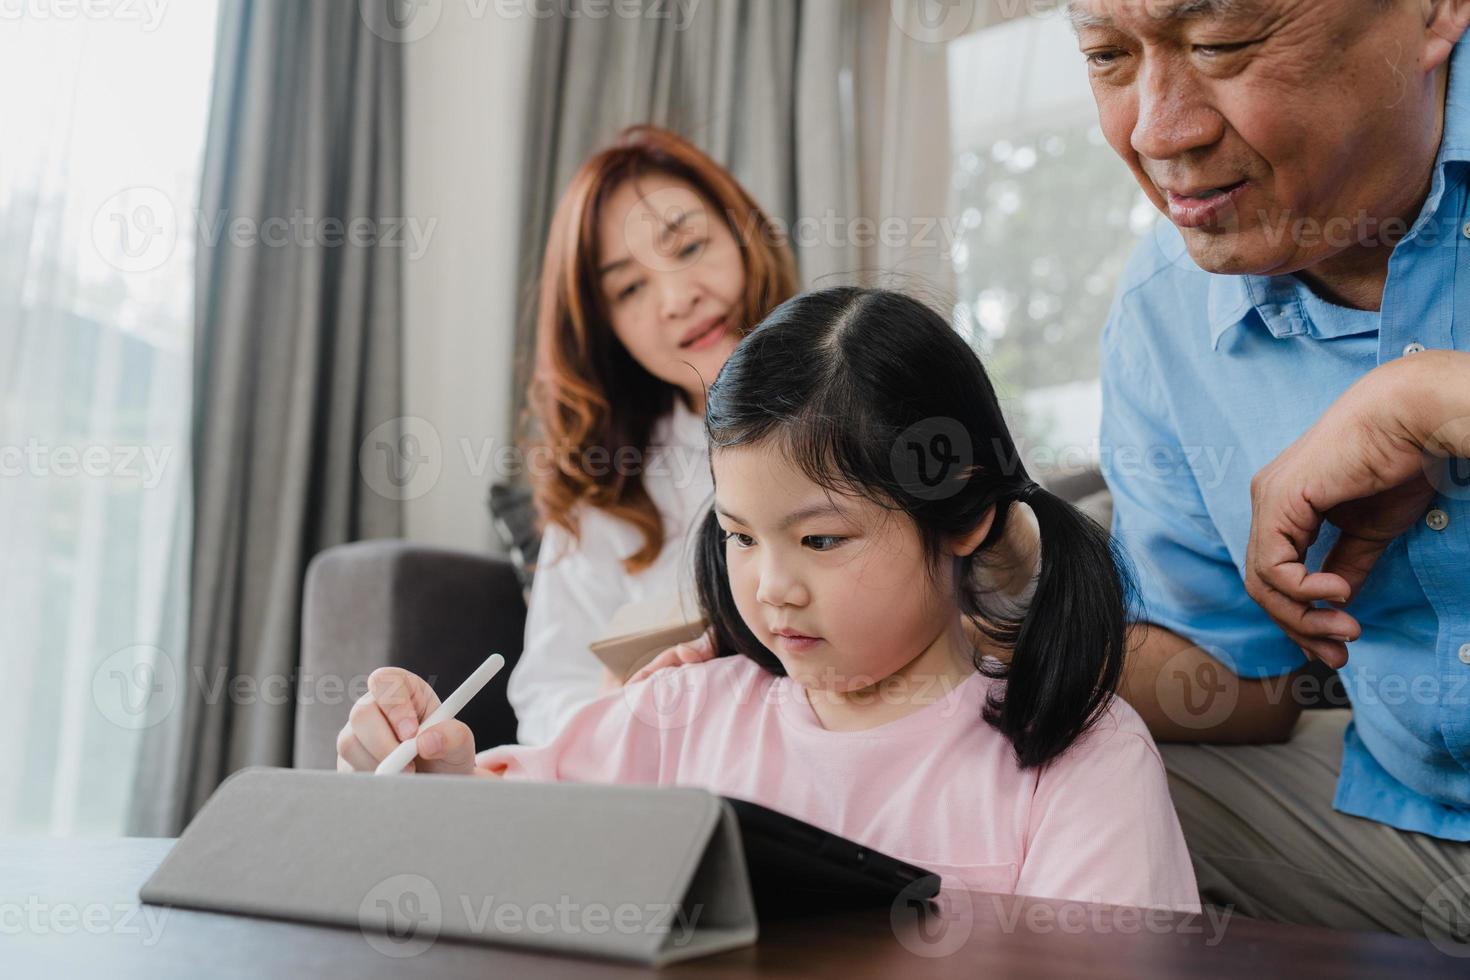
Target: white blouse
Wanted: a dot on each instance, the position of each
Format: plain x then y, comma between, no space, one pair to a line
580,584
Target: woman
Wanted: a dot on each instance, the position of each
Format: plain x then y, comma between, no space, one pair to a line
657,264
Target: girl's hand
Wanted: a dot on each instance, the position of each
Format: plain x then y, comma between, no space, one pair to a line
695,651
390,712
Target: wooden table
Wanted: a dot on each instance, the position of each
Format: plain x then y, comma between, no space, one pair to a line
69,908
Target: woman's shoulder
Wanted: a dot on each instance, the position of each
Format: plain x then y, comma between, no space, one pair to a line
674,468
604,540
679,426
600,536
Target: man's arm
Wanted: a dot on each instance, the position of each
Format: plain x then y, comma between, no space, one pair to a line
1187,581
1185,695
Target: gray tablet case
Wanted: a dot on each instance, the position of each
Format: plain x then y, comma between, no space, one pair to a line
646,874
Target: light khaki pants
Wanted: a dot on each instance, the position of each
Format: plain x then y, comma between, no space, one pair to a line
1266,841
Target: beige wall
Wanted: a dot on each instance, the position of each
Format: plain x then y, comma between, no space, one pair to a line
465,109
465,115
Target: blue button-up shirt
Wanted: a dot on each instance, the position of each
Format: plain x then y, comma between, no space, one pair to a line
1206,379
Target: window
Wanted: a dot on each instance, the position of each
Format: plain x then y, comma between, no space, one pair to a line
103,108
1048,216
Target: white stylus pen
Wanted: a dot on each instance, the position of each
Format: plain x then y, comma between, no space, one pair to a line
452,706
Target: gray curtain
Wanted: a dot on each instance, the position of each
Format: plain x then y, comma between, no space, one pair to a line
296,359
763,86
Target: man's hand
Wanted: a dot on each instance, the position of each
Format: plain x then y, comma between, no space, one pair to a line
1362,466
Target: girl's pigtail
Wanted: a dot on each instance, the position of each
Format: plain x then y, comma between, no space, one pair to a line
1069,646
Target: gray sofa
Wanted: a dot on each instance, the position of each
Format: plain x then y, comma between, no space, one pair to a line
434,611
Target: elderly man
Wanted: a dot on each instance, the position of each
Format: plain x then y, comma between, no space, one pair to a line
1304,315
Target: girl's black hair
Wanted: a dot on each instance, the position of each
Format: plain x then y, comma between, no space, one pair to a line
869,392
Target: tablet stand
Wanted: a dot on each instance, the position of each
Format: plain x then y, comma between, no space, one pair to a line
645,874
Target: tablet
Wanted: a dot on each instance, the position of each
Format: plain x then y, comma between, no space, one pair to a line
798,869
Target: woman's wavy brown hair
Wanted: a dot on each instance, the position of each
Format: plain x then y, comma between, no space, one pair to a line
586,391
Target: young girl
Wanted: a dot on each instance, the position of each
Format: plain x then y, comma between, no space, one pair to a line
656,264
862,467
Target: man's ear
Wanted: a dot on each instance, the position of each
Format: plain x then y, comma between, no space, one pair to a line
965,544
1445,22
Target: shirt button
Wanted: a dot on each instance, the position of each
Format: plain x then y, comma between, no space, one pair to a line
1466,229
1414,348
1465,654
1437,520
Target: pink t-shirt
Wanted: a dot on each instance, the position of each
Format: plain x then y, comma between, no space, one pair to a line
938,787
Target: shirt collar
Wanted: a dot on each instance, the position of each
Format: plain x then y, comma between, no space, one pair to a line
1284,305
1274,299
1455,145
1229,302
1277,299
